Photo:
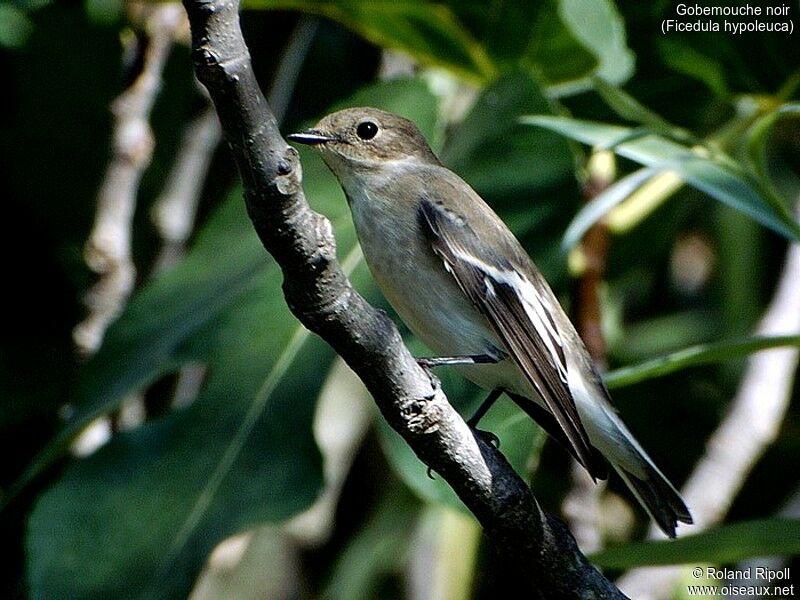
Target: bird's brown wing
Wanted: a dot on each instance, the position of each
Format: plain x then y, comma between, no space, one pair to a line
518,311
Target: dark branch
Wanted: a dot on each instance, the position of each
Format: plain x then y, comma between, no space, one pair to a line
319,294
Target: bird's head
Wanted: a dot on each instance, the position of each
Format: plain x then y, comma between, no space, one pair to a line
366,138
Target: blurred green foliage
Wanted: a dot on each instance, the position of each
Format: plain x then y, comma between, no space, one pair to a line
720,545
139,517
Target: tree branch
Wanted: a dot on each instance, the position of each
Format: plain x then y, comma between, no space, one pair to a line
321,297
108,249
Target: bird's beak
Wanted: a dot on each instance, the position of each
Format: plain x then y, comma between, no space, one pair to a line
312,137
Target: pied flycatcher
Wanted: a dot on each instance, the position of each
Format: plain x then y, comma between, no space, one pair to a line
464,285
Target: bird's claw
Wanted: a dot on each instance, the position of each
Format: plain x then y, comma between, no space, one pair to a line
488,437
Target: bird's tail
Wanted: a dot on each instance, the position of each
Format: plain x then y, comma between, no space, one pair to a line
657,496
612,440
651,488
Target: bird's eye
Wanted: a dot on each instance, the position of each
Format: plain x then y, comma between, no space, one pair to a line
367,130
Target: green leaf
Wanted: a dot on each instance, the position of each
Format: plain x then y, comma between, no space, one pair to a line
718,176
378,550
599,27
428,31
165,320
138,517
630,109
685,59
757,139
505,29
564,41
601,204
105,12
242,453
520,442
721,545
494,153
553,51
15,26
693,356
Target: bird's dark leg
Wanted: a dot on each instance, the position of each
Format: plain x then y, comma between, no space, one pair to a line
484,407
482,410
474,359
473,421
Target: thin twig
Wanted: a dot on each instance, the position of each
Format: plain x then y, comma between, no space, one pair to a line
582,503
751,425
291,61
108,250
601,172
174,210
595,250
319,294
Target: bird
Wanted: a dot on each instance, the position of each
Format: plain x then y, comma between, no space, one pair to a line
463,284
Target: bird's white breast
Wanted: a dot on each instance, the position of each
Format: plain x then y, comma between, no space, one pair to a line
412,278
414,281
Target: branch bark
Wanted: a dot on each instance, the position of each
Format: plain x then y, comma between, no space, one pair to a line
319,294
